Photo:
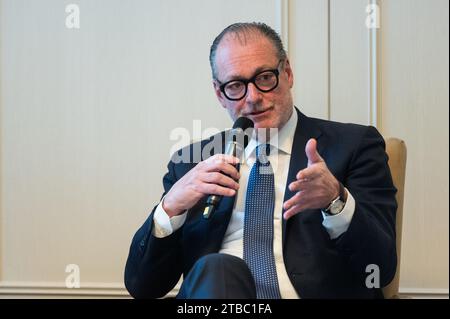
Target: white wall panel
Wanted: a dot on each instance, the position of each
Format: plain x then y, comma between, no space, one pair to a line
86,117
415,107
308,51
349,58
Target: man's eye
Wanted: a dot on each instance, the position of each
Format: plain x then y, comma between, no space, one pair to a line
235,86
265,77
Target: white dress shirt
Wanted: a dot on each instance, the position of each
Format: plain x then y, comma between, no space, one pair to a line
281,147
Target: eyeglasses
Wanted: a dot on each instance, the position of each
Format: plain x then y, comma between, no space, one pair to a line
264,81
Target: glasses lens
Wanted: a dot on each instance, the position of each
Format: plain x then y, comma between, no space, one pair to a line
266,81
235,89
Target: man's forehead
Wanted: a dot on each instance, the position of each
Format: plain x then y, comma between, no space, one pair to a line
242,37
235,40
253,50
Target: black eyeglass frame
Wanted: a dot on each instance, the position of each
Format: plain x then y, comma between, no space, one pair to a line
276,72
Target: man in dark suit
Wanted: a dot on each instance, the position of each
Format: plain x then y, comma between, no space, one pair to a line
328,195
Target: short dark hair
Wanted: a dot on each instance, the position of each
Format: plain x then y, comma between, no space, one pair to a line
244,28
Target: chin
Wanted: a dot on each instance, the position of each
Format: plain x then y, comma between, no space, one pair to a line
265,123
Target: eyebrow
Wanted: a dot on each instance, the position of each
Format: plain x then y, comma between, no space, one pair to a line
239,77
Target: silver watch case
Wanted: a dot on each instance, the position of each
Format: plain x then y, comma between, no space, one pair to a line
335,207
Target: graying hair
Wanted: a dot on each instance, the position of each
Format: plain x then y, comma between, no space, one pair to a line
242,29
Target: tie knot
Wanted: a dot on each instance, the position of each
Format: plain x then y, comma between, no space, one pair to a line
262,151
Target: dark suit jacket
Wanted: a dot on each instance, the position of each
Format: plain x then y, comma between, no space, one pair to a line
317,266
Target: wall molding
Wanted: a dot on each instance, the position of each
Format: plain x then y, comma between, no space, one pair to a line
58,290
282,21
328,60
18,289
425,293
1,137
375,70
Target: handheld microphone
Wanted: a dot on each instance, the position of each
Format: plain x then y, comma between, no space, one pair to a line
237,141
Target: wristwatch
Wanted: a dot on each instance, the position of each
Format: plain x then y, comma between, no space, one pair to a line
337,204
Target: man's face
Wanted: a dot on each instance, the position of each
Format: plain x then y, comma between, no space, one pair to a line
238,60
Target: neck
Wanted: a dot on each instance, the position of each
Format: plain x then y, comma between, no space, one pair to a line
264,134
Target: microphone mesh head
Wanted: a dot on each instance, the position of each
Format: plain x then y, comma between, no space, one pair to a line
240,128
243,123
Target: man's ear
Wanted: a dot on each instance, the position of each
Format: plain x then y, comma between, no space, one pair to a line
218,93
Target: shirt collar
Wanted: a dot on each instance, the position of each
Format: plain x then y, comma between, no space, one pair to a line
282,141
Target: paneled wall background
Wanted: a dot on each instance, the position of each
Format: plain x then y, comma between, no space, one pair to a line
86,117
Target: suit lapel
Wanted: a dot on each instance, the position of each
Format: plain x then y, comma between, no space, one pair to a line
305,130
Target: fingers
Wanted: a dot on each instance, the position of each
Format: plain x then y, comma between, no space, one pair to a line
292,211
226,169
223,163
297,199
215,189
218,158
308,174
312,153
294,205
220,179
303,200
306,178
298,185
216,176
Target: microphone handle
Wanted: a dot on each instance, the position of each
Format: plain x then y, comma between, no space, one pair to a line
213,201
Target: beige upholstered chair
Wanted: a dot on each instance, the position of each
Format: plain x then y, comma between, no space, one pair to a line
396,150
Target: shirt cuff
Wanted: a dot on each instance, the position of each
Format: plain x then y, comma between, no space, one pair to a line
163,224
338,224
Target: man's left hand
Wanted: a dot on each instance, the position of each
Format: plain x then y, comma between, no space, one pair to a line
316,186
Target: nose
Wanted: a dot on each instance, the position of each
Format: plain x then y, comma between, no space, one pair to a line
253,94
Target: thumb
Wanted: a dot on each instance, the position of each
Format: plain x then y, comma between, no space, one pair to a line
311,152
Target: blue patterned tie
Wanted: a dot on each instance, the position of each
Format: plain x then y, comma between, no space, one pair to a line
258,226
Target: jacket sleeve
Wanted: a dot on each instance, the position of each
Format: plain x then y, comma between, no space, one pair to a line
370,238
154,265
